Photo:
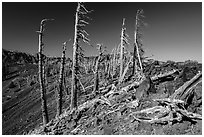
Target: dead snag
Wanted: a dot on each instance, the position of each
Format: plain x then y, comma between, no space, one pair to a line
96,83
111,63
137,42
41,75
125,70
109,68
59,98
123,41
79,33
114,62
134,61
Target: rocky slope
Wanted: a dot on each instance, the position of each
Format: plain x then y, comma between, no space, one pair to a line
21,112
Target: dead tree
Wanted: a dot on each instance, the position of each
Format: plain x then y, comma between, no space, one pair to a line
185,89
61,79
41,75
79,33
123,41
137,35
114,61
171,109
108,66
125,70
96,83
121,48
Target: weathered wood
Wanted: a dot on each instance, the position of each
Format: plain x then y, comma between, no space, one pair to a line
134,68
170,106
126,88
114,61
96,75
122,47
61,78
91,103
125,70
164,113
79,33
183,90
41,74
136,39
75,62
162,76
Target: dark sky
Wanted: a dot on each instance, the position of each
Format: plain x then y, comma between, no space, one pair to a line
174,30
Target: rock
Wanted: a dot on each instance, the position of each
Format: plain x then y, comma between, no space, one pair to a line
32,83
13,84
107,130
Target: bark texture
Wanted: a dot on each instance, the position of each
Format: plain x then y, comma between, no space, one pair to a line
61,79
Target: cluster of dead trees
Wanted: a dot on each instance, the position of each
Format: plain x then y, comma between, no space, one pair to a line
120,58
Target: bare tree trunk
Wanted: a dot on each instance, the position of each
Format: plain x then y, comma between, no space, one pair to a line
125,70
59,101
77,50
75,65
96,77
41,75
136,43
45,74
139,59
114,62
121,48
96,84
134,60
109,68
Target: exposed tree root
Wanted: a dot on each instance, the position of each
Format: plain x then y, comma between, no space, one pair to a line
171,109
164,115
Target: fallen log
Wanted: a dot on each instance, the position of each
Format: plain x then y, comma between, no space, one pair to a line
171,109
164,75
186,87
125,89
151,110
91,103
189,114
169,112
